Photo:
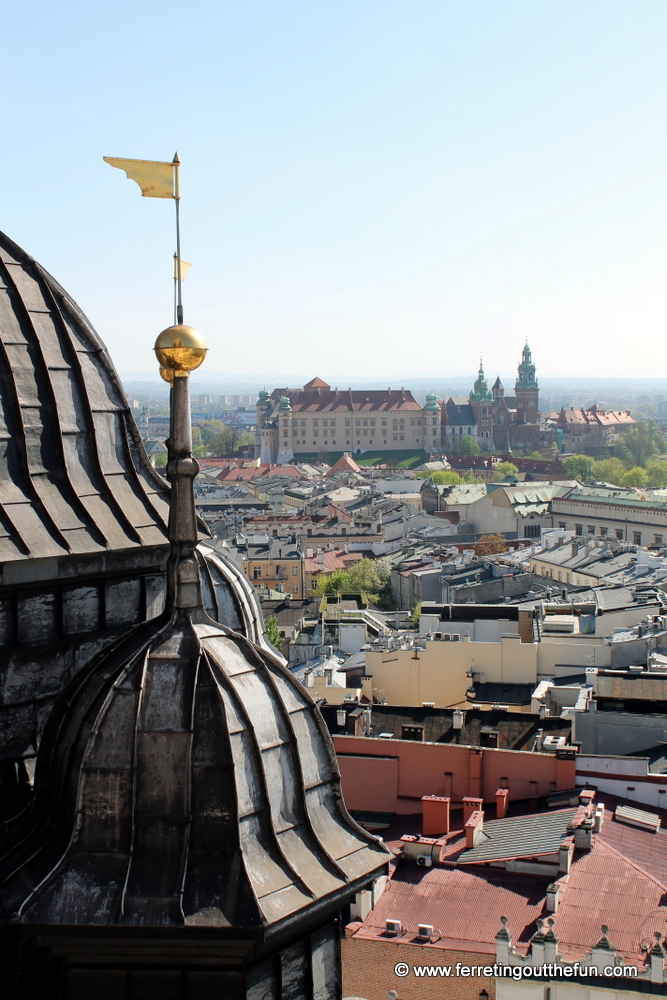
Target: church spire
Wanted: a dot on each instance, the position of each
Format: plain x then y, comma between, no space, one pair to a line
526,377
480,392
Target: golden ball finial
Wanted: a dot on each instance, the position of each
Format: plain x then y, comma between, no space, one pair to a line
179,349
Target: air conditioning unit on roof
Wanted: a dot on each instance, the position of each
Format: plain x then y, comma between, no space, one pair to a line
425,931
393,927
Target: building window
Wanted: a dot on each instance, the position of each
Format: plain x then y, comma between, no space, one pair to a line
532,530
256,572
412,733
578,529
603,532
590,528
657,539
384,423
637,538
561,524
316,423
619,534
347,424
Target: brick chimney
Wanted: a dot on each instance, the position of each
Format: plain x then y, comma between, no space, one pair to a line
435,815
502,796
471,805
473,826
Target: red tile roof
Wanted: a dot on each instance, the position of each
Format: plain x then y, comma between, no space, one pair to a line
621,882
316,383
331,561
344,464
605,888
464,906
361,400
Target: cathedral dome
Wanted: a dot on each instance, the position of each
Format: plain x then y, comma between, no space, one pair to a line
184,778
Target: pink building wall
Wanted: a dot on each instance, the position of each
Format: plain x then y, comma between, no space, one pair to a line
392,775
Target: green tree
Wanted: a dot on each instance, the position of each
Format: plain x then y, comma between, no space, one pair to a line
468,446
442,477
504,469
536,456
416,612
228,440
635,477
578,466
657,473
209,428
272,632
197,439
609,470
161,460
640,444
367,576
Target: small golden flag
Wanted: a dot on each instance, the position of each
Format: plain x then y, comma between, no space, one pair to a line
185,267
156,179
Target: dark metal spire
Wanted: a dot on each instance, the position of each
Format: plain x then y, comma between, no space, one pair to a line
181,349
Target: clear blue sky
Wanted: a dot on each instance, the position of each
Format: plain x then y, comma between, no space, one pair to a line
369,186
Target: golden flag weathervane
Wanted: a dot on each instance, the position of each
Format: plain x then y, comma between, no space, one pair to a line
159,179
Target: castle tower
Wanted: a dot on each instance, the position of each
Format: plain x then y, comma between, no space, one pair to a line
526,390
498,389
264,434
284,418
432,423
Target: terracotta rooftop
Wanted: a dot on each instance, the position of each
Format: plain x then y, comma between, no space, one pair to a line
621,882
362,400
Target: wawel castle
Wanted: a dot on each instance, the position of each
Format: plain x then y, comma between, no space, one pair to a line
320,419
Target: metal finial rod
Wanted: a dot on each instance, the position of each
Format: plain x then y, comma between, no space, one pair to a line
177,199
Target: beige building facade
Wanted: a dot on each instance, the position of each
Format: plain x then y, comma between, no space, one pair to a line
320,419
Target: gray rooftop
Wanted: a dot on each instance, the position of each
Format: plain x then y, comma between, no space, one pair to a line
520,837
74,477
